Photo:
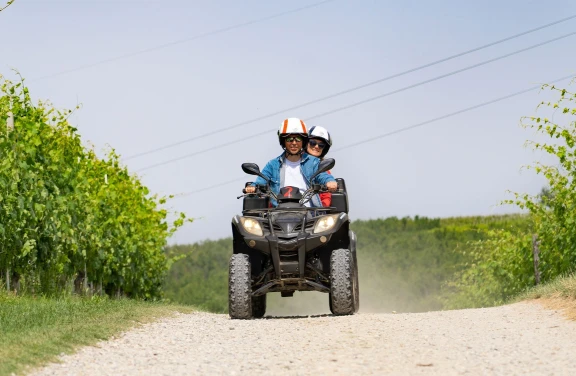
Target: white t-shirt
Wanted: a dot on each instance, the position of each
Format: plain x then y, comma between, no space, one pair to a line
293,176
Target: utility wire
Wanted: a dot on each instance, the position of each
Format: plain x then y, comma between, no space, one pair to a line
400,130
441,76
210,187
170,44
219,146
348,90
94,2
443,117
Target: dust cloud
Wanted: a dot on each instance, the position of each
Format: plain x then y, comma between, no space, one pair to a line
381,291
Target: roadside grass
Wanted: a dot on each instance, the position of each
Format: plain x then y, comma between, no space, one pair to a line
35,330
559,294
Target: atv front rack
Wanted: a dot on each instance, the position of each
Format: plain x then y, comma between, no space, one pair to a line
294,209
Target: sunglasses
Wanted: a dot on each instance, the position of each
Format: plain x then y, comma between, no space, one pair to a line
293,139
315,143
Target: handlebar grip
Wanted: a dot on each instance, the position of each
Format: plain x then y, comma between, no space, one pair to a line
320,188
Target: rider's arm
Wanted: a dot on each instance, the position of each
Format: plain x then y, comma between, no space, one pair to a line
324,178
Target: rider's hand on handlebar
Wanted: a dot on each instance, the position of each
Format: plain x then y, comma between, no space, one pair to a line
332,186
250,189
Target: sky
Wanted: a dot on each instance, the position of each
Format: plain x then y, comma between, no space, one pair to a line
153,73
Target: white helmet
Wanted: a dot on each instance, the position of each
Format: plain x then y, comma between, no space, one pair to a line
321,133
292,126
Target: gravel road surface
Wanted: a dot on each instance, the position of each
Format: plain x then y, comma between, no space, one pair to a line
519,339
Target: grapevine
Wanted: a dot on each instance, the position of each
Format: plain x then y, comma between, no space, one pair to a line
67,215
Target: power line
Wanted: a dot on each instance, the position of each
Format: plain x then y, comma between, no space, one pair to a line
348,90
443,117
442,76
170,44
210,187
400,130
219,146
99,2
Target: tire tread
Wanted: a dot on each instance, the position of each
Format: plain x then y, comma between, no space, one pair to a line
239,287
341,280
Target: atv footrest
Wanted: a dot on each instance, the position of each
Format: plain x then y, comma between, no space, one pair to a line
317,286
265,288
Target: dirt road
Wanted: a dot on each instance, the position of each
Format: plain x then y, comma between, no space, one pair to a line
519,339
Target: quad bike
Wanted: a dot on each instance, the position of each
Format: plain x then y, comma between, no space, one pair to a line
292,247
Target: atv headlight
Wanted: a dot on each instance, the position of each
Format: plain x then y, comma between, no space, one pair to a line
325,223
252,226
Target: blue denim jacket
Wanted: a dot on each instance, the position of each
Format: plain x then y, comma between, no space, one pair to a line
308,166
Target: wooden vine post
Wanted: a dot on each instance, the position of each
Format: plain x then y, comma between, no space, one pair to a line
536,253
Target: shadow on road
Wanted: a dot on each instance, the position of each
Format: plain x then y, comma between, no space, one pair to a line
296,317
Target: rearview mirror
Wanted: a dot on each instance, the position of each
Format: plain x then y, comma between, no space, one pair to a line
325,165
253,169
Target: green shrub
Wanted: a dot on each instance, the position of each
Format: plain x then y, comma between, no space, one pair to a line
502,264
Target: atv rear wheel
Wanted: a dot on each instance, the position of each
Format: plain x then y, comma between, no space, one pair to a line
259,306
240,287
342,297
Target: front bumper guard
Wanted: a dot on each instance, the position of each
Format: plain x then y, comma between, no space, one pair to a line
290,284
273,245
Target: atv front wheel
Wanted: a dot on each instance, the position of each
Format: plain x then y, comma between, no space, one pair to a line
240,287
259,306
342,282
356,285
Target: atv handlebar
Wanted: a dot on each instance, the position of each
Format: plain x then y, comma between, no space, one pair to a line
264,191
318,188
261,191
314,189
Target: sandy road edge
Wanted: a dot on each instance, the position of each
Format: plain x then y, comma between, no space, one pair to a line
565,306
135,324
424,338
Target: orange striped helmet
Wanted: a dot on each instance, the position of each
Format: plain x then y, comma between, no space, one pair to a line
293,126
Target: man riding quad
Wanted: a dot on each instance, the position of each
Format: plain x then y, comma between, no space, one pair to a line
293,167
285,240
